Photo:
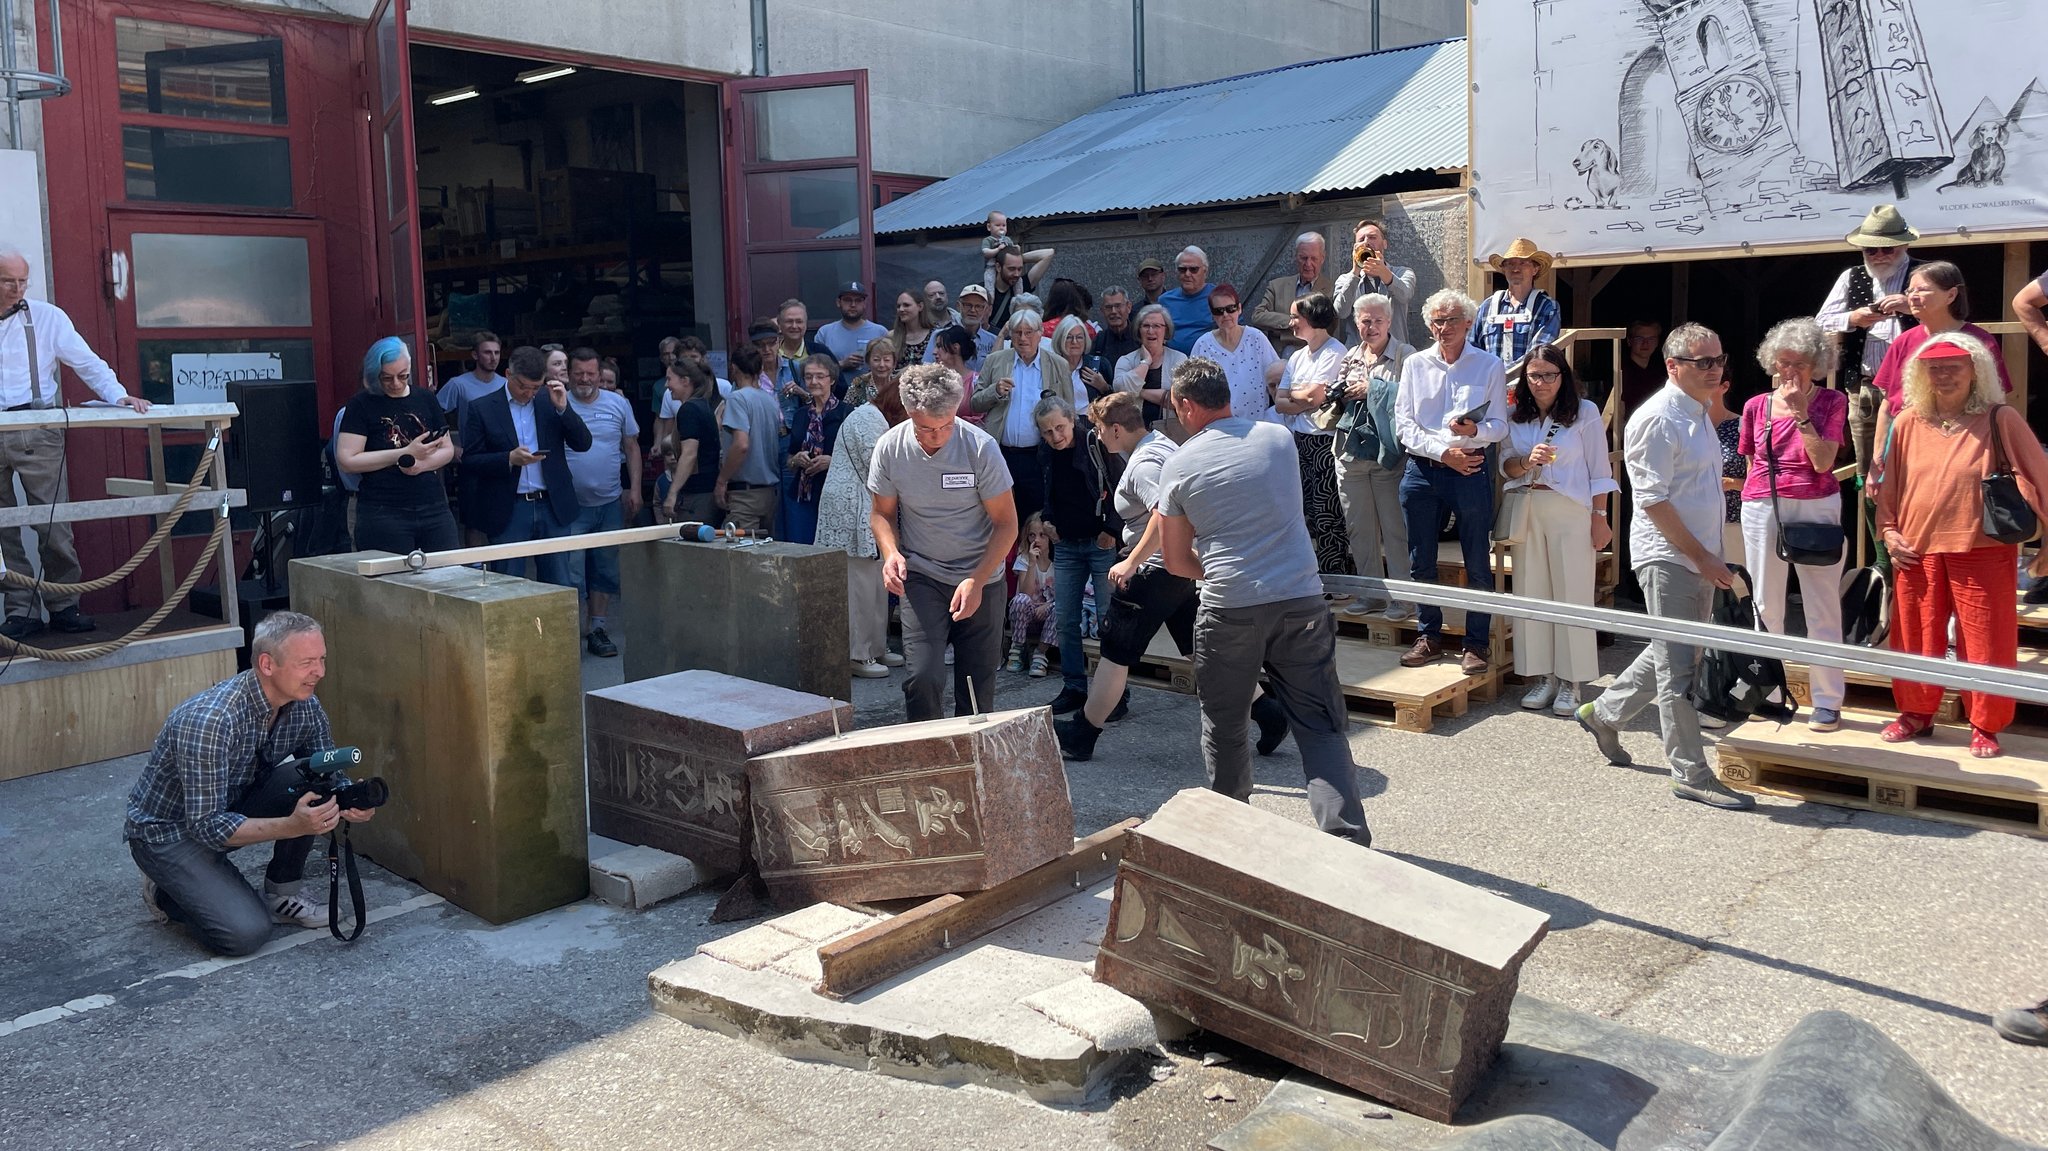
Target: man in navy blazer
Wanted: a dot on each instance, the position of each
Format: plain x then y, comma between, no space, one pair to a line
515,470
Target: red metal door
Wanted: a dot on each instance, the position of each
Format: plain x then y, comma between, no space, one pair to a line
393,167
797,183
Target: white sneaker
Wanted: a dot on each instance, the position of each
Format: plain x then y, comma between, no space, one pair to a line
949,655
1567,701
295,908
870,669
891,659
1541,695
1712,722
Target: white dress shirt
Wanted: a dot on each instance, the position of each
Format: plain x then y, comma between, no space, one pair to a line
57,341
530,479
1834,314
1580,470
1434,392
1027,383
1673,456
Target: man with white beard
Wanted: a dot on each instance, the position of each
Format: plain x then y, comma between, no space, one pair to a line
1865,306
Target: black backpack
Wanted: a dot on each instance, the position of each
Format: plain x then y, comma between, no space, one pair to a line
1732,685
1866,608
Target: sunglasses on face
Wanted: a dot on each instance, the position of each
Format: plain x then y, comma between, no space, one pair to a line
1225,310
1188,271
1704,363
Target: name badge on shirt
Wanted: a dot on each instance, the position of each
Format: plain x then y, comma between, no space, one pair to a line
952,480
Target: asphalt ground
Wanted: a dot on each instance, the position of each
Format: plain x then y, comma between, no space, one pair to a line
437,1030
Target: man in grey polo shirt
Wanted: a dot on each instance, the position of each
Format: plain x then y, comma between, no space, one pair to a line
750,470
944,522
1230,516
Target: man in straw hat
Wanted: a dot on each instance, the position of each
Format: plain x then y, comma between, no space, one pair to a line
1521,315
1865,306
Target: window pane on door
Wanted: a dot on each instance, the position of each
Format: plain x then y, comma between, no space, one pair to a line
802,205
387,56
813,277
209,73
170,164
194,281
802,123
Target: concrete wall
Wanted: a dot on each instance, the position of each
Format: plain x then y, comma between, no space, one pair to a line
1247,246
1420,21
706,35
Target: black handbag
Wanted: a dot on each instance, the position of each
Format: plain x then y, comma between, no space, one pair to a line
1811,544
2007,518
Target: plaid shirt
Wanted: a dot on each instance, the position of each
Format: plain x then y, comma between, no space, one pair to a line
1538,321
212,748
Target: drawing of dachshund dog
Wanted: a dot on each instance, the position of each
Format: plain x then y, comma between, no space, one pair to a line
1987,157
1597,164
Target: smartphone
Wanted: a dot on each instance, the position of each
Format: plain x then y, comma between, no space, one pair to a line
434,435
1476,414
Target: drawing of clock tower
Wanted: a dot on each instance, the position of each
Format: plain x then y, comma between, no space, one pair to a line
1733,120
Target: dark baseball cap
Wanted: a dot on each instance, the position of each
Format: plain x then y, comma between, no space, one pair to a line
1151,266
853,288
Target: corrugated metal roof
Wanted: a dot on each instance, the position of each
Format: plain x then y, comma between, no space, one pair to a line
1326,126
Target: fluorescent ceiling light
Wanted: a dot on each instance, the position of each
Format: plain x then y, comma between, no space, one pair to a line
551,72
458,95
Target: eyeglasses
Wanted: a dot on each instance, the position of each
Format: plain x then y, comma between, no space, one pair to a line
1704,363
1188,269
1445,321
1226,310
11,282
1545,377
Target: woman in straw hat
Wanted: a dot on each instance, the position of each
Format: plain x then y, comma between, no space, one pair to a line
1521,315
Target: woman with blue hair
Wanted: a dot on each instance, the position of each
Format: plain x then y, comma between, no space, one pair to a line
395,438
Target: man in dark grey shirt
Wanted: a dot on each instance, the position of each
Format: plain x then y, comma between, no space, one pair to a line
1230,516
943,522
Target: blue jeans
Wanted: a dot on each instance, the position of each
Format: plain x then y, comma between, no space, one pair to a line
596,569
534,520
1072,563
1429,490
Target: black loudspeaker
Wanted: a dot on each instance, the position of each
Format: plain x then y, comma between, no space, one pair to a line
274,445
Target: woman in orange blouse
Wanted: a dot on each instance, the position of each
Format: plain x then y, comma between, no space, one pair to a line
1930,510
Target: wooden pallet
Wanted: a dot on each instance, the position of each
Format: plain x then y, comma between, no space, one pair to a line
2033,617
1450,567
1933,779
1380,631
1375,684
1867,693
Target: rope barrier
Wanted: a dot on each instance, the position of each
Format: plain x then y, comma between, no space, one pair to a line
156,540
95,651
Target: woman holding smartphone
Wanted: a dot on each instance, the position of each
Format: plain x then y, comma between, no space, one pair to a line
395,437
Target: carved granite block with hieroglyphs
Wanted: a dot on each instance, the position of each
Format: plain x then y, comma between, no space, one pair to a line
668,758
1361,968
951,805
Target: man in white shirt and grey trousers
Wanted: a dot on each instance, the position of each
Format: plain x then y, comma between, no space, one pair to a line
1674,461
35,456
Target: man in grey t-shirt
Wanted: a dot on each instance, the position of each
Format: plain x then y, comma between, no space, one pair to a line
1230,516
750,472
943,522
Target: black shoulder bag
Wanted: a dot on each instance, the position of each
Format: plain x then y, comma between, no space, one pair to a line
1812,544
2007,518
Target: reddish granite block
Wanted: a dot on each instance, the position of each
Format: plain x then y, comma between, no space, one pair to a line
668,758
1358,967
951,805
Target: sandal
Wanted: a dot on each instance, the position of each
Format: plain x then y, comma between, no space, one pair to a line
1907,726
1983,744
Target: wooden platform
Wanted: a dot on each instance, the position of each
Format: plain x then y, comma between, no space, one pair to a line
1379,630
1375,684
1933,779
1866,692
1450,566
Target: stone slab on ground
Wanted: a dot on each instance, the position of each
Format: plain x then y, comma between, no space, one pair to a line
1372,971
1570,1081
668,757
914,809
640,877
983,1015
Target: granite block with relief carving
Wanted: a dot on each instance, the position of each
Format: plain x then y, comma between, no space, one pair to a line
950,805
1361,968
668,758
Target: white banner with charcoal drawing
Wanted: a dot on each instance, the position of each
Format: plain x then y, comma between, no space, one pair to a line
1605,127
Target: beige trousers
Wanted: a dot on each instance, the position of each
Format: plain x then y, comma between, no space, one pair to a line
1556,563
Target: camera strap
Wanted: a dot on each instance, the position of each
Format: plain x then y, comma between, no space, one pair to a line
339,849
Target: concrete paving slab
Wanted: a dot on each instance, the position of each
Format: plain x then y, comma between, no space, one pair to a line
753,948
965,1019
640,876
1098,1013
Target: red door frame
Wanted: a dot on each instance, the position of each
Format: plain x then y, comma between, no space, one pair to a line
738,167
394,174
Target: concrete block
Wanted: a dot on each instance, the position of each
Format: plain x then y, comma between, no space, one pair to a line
1363,969
640,877
463,690
773,613
668,758
1102,1015
950,805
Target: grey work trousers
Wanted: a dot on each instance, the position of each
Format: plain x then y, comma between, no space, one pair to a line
928,626
1663,673
36,457
1371,497
1295,643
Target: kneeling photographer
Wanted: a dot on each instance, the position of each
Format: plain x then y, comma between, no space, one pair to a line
240,764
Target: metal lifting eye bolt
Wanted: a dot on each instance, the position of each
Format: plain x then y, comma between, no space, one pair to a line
416,561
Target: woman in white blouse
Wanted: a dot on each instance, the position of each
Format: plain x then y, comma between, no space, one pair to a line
1557,446
1148,372
1300,401
1244,354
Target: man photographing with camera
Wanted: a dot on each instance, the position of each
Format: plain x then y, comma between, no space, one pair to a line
220,777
